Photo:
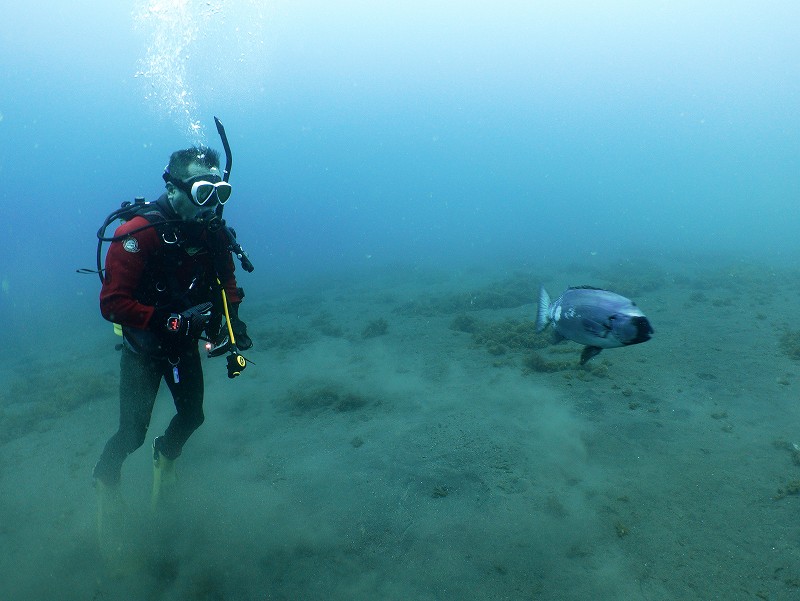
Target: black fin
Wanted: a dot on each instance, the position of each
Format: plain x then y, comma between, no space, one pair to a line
589,352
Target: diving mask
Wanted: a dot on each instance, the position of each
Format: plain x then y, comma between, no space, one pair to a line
202,189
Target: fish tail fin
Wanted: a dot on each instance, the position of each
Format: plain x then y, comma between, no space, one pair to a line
543,313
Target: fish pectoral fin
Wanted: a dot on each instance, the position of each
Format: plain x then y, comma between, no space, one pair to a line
589,352
595,328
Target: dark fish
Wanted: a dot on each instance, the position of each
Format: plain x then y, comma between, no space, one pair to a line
594,317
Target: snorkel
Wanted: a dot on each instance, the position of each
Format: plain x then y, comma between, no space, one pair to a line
212,218
228,157
233,245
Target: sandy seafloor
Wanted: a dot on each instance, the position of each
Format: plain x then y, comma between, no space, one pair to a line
430,462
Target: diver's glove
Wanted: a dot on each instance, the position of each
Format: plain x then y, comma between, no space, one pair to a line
190,322
239,328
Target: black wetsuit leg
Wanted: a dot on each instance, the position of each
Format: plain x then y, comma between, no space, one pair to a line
188,396
140,376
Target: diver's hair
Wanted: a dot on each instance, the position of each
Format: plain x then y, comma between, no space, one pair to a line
180,160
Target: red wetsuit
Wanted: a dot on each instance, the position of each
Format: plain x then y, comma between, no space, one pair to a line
135,264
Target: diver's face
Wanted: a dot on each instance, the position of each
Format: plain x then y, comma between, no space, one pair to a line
180,201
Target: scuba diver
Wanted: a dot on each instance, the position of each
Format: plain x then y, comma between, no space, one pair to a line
168,279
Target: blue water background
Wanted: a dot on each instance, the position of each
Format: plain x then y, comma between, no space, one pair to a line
371,134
